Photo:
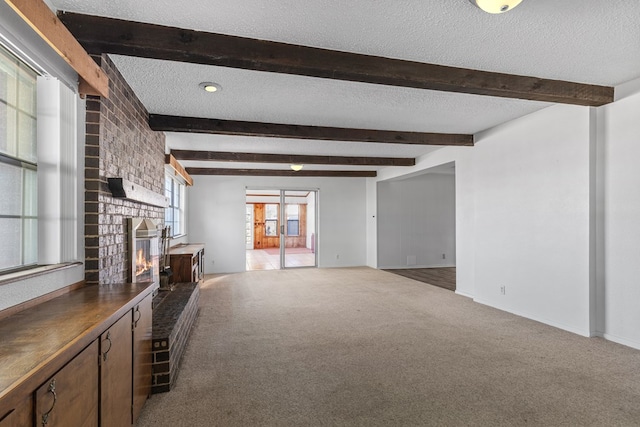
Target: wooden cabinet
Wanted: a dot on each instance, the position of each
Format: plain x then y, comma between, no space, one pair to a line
142,354
81,359
187,262
70,396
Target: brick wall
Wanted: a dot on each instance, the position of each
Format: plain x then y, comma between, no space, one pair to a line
120,144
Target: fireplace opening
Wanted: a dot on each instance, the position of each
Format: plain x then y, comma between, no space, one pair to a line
144,264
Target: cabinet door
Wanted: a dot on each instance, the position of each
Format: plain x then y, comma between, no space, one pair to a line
181,267
142,354
20,415
70,397
115,374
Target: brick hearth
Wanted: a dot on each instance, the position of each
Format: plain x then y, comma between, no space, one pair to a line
174,313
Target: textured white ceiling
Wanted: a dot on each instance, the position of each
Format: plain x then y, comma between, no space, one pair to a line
589,41
280,98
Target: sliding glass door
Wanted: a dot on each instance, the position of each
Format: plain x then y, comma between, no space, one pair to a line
298,231
281,229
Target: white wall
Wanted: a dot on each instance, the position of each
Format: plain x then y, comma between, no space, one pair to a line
20,291
621,317
416,221
372,222
532,211
216,210
523,215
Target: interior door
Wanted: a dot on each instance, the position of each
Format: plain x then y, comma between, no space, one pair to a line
258,225
298,230
265,226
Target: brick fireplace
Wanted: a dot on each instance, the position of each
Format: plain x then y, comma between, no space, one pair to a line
119,143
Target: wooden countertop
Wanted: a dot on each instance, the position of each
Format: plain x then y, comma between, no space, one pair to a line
186,249
37,342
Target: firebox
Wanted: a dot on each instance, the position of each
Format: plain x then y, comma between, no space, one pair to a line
144,251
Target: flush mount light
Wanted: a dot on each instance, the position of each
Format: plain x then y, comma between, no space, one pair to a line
297,167
210,87
496,6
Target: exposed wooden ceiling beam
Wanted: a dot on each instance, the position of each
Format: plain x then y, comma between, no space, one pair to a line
93,81
107,35
223,156
159,122
280,172
177,168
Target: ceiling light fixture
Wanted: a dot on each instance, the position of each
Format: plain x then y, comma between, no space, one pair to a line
210,87
496,6
297,167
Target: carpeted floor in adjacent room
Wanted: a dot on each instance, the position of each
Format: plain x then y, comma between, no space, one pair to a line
363,347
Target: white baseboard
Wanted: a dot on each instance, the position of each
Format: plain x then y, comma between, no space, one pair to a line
406,267
568,328
464,294
623,341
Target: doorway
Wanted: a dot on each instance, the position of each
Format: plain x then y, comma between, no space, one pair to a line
281,229
417,226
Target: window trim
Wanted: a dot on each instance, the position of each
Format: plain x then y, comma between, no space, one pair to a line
182,208
276,220
296,219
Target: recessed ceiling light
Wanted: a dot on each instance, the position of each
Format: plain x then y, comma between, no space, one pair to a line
210,87
496,6
297,167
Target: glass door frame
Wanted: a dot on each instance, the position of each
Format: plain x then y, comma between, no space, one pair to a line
283,224
282,219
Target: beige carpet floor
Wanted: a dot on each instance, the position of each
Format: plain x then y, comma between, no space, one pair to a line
363,347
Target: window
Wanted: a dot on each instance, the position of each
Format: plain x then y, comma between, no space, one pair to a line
174,214
293,223
18,164
271,220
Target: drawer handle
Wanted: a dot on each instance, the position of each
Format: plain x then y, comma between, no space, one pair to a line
135,322
108,338
52,390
